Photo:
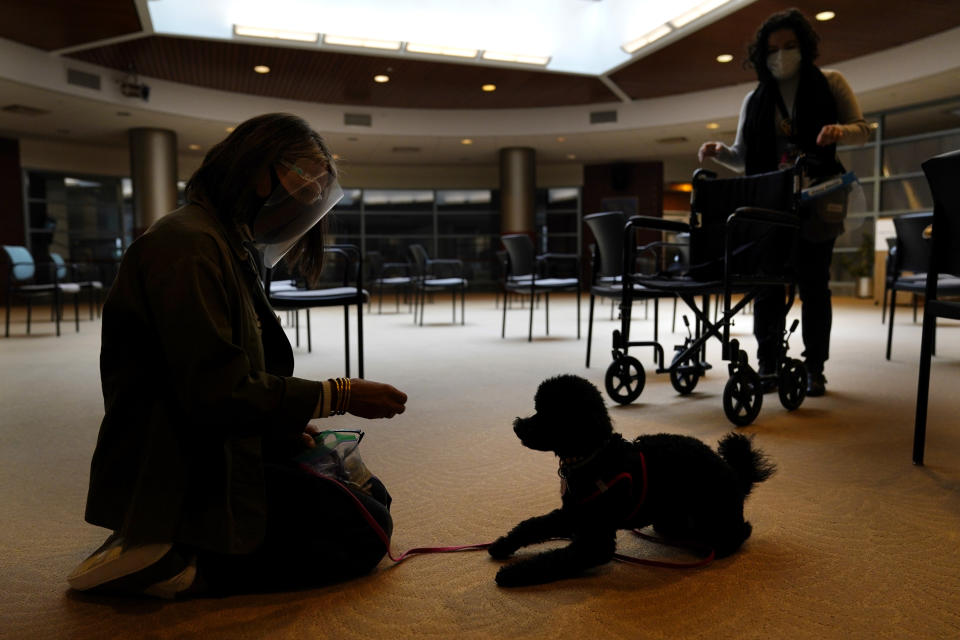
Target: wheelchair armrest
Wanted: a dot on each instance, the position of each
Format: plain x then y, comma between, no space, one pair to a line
768,216
649,222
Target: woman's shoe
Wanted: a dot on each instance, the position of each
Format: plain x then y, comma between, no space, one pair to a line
816,384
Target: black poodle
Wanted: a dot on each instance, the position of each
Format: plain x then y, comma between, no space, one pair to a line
676,483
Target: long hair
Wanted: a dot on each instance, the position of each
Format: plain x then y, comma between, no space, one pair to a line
227,179
791,19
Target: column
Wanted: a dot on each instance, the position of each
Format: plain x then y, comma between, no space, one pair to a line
518,183
153,171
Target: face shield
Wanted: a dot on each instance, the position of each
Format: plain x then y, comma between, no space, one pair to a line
303,194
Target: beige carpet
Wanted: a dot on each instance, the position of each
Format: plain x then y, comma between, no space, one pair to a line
850,539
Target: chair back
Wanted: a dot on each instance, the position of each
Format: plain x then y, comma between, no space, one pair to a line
521,255
61,266
757,248
913,249
21,263
420,258
942,172
607,228
374,264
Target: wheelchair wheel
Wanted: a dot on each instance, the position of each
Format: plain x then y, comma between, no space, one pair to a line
684,381
742,397
625,379
792,383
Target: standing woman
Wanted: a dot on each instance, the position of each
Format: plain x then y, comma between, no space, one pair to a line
193,469
796,109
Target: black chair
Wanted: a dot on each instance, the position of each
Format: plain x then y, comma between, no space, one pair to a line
743,234
910,260
392,275
529,274
437,274
23,282
607,269
941,172
344,272
82,274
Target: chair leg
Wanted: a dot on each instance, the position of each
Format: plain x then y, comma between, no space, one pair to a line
29,313
893,308
346,336
883,309
76,310
309,340
656,329
532,305
6,333
546,309
453,301
360,338
590,328
296,323
673,325
914,308
578,311
463,304
923,386
503,326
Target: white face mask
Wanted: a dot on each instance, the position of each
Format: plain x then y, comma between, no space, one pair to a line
784,63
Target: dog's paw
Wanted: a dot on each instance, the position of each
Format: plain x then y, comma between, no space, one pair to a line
515,575
501,548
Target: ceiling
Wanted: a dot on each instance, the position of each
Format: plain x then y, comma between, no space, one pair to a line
110,33
333,77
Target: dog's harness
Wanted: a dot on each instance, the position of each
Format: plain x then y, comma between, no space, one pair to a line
637,493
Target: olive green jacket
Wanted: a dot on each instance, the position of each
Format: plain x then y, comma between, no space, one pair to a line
196,374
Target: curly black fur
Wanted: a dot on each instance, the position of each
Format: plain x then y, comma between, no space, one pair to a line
692,493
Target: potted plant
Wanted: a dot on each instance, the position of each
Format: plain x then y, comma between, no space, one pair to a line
860,266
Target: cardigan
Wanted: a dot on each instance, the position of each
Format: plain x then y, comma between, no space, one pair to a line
197,378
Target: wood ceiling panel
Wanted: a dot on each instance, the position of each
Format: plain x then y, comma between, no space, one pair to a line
859,28
339,78
57,24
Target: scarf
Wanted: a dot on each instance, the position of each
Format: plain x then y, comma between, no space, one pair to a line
814,107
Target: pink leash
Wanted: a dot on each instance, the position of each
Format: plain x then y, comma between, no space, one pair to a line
477,547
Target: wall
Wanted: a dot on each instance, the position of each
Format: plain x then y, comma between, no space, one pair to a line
12,225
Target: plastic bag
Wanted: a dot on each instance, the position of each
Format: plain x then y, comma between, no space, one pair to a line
336,454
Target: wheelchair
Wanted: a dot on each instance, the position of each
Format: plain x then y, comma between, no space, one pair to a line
742,237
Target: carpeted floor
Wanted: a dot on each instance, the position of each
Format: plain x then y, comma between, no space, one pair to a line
850,539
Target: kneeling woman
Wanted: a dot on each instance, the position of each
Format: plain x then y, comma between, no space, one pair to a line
193,467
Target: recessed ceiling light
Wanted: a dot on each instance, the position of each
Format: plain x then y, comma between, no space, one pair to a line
466,141
336,156
381,78
713,125
230,129
193,147
262,68
561,139
489,87
571,156
823,16
724,57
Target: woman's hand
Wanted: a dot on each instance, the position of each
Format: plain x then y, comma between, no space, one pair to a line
370,399
709,150
830,134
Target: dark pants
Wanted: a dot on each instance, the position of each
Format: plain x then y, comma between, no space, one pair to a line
816,315
315,535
